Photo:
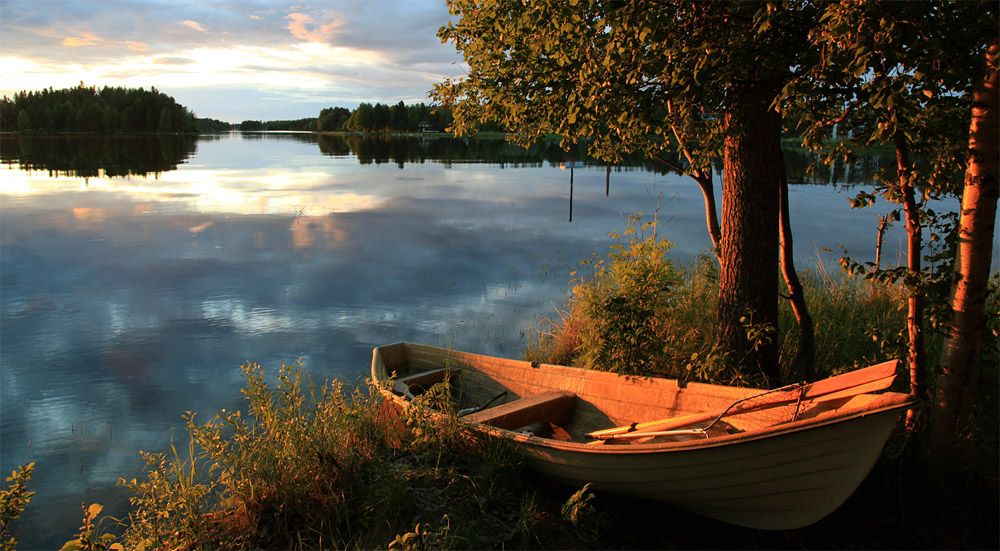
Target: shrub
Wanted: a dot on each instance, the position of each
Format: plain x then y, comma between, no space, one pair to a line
13,500
616,312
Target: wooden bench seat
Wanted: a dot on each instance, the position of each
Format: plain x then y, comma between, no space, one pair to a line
420,382
548,407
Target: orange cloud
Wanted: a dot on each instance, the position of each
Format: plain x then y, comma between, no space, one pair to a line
193,25
87,39
302,26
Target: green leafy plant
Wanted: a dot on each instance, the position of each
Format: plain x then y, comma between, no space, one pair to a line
578,506
621,305
423,537
13,501
90,537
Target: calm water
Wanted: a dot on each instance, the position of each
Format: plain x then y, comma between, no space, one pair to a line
138,274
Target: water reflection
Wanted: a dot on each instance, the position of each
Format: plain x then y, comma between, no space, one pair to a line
128,300
89,156
142,155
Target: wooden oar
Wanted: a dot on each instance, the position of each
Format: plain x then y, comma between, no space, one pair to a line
648,434
869,379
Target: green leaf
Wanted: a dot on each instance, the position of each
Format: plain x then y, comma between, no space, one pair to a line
94,510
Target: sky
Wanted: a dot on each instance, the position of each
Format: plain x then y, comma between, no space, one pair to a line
232,60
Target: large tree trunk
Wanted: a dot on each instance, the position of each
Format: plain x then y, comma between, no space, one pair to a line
805,355
748,290
956,383
916,357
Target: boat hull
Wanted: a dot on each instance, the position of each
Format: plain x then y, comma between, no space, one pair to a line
776,483
776,478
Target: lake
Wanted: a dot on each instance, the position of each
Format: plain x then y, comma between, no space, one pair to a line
138,273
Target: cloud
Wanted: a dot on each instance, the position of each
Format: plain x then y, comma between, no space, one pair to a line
193,25
173,61
303,26
86,39
273,56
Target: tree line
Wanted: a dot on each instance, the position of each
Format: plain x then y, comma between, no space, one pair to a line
89,109
121,110
385,118
367,117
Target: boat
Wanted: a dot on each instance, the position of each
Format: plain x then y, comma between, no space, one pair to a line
765,459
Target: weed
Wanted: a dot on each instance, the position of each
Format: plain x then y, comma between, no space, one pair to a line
90,538
618,309
423,537
578,505
310,467
13,500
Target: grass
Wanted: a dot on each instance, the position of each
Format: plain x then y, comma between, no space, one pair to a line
310,470
636,312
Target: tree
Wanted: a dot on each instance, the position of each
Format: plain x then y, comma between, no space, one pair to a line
383,117
900,73
332,119
398,117
363,119
23,122
957,381
605,72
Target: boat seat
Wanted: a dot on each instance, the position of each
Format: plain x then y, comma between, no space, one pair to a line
548,407
420,382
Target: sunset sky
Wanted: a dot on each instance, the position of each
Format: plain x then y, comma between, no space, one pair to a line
231,60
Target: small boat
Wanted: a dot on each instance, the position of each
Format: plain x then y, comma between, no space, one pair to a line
766,459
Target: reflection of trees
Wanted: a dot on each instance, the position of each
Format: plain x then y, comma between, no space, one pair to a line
375,149
803,168
381,149
290,136
89,156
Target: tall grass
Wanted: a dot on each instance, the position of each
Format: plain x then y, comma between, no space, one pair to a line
663,319
309,468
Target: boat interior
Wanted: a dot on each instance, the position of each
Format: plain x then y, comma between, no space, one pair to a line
588,406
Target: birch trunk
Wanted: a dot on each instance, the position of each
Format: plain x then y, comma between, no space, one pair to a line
956,383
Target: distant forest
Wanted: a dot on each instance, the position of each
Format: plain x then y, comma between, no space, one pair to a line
124,110
366,118
88,109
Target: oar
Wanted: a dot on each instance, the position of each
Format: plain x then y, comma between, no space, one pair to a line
869,379
648,434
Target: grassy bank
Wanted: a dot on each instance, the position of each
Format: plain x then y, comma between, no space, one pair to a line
307,468
318,468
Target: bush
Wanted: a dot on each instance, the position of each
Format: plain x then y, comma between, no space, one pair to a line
13,500
616,313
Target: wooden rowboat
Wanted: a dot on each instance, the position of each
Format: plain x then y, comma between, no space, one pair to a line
770,460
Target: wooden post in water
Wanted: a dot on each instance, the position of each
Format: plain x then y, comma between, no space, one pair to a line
571,193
